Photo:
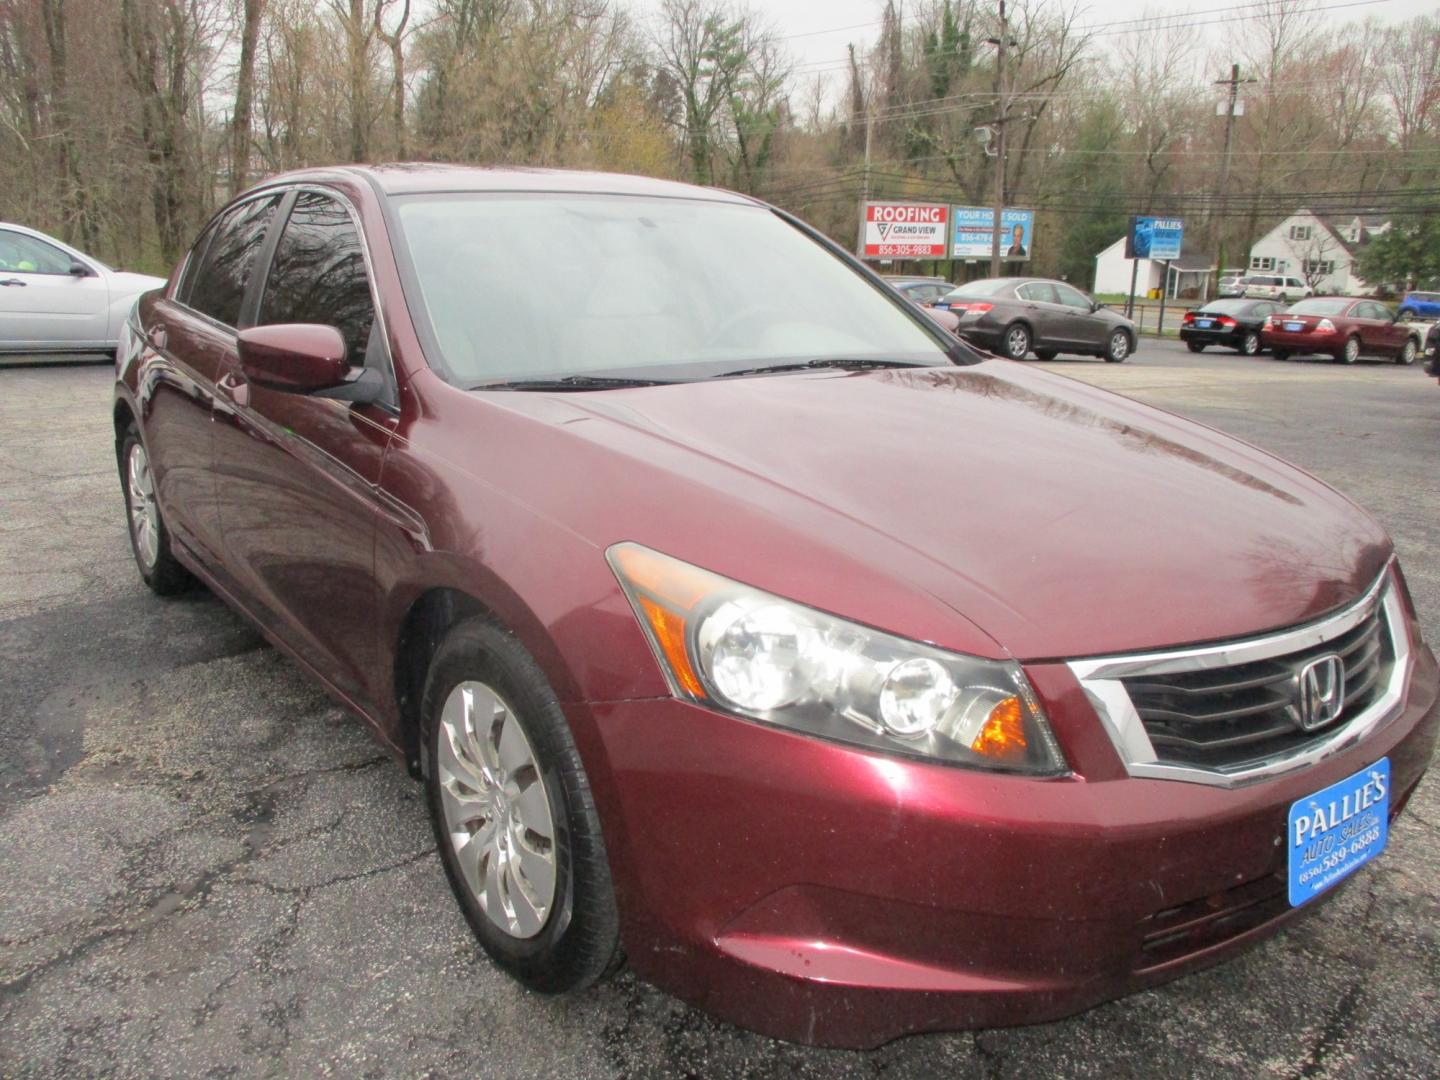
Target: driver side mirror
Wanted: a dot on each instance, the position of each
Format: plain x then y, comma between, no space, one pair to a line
1095,306
79,269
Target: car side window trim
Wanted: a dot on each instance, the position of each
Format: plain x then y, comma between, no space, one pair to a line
376,349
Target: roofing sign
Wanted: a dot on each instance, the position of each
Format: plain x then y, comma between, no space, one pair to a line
906,230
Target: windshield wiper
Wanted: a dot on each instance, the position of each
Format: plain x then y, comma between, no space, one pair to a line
843,363
570,382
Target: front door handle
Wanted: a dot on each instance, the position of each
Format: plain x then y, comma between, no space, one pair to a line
234,387
14,281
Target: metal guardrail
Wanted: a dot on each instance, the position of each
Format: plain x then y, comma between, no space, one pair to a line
1152,316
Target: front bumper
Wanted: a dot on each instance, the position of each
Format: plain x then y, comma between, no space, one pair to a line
820,894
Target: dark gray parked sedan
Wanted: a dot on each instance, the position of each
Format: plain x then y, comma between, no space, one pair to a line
1012,316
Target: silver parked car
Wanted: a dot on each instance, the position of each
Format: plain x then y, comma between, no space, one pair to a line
1012,316
1275,287
54,298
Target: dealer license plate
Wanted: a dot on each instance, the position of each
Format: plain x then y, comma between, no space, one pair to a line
1203,324
1336,831
1294,326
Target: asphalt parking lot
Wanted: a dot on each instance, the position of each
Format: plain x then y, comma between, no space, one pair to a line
208,868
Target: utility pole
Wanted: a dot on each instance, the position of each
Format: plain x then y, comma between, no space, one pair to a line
1223,194
1000,118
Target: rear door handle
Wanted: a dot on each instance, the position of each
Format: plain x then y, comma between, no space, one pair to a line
14,281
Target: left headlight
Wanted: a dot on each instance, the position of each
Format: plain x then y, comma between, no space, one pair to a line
748,652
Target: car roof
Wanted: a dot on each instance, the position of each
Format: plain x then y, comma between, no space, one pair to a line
429,178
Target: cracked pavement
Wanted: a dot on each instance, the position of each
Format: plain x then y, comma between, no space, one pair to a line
210,869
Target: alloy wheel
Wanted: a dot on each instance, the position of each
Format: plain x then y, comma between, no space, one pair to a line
1352,350
1119,346
1017,342
1250,344
1407,354
497,810
144,512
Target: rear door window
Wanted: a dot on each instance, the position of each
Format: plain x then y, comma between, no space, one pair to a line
1041,292
318,273
218,286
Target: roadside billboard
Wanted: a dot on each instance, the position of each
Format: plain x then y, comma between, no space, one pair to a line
975,233
1157,238
905,230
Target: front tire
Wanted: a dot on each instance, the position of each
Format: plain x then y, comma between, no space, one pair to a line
1407,354
149,538
1015,342
1119,348
1249,344
514,819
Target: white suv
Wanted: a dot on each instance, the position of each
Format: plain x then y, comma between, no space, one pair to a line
1275,287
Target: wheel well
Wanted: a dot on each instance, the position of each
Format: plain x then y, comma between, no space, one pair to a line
123,418
421,631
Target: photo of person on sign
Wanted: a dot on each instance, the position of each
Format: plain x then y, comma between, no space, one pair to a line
1017,243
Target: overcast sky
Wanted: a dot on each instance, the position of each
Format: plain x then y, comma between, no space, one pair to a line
817,31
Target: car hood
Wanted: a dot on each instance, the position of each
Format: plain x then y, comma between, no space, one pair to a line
1060,519
126,282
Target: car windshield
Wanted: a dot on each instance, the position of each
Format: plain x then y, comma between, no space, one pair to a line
651,288
983,287
1319,307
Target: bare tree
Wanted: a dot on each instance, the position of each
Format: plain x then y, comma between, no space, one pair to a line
252,12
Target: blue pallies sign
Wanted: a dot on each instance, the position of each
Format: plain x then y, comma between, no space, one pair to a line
1157,238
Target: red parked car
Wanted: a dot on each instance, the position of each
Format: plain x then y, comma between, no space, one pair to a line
742,622
1345,328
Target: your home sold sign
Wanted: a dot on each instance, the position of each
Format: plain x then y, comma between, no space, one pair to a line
905,230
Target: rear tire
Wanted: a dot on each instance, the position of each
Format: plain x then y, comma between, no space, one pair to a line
1407,354
1280,354
1015,341
1045,354
1119,348
502,773
149,538
1195,346
1249,344
1350,352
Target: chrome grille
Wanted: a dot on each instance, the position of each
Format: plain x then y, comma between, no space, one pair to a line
1237,711
1226,717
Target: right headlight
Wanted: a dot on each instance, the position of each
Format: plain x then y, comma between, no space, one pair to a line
753,654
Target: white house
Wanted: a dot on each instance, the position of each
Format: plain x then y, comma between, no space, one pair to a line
1319,250
1189,274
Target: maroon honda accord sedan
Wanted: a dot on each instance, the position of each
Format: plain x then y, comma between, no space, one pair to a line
741,622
